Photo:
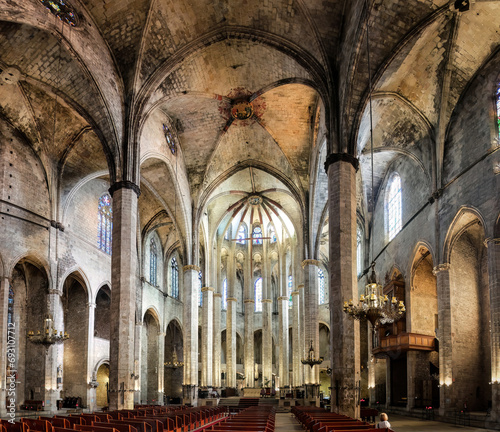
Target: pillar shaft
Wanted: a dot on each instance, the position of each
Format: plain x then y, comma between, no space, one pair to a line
231,342
123,298
207,335
283,341
343,283
267,342
217,340
249,345
91,391
311,312
190,319
296,354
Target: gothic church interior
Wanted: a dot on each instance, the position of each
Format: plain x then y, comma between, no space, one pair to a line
191,189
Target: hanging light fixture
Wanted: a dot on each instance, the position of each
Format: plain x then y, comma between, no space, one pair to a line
175,363
49,336
311,360
373,305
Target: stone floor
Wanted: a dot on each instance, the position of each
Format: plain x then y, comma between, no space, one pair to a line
286,422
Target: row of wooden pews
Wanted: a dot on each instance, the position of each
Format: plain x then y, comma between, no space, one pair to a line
252,419
140,419
315,419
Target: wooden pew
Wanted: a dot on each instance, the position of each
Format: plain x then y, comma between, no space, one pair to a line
57,422
37,425
14,427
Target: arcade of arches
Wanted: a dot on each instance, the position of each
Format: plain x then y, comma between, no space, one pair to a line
192,189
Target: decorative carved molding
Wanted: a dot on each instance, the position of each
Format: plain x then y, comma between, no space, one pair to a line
495,241
440,268
301,286
310,262
344,157
283,298
249,301
204,289
294,293
231,299
219,295
55,292
266,301
191,267
91,305
124,184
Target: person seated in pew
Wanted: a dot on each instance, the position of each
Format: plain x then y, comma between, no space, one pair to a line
384,422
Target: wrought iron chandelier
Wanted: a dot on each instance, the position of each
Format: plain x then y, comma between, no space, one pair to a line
175,363
311,360
373,305
49,335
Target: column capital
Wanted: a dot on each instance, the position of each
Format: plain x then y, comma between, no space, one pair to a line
124,184
283,298
301,286
440,267
266,301
205,289
191,267
295,293
488,241
344,157
91,305
249,301
55,292
219,295
310,262
232,299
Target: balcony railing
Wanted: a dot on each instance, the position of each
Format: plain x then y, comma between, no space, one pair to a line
405,342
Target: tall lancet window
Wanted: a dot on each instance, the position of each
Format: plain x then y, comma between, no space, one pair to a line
200,286
359,250
153,262
321,287
224,294
174,275
258,295
104,223
289,289
272,234
393,206
242,235
257,235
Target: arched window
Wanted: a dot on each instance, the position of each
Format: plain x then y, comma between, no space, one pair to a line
104,223
10,307
169,138
224,294
498,108
359,250
393,206
174,274
200,286
272,234
321,287
258,295
289,289
242,235
257,235
153,262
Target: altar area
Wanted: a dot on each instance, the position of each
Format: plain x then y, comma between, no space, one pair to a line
251,391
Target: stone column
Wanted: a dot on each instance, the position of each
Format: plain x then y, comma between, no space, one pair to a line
54,354
207,336
190,319
249,345
8,344
91,378
123,296
161,367
296,355
310,267
388,386
284,366
267,341
411,368
231,342
302,334
372,364
344,337
446,399
217,340
137,362
493,251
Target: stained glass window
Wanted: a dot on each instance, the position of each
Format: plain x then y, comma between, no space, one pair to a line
258,295
359,250
174,274
200,286
62,10
169,138
257,235
242,235
321,287
104,223
224,294
290,285
272,234
393,206
498,109
153,262
10,308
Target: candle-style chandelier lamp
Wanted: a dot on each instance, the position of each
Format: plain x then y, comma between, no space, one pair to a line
311,360
374,306
49,335
175,363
